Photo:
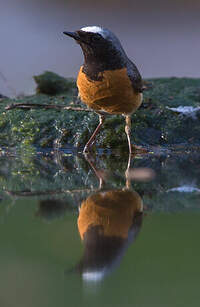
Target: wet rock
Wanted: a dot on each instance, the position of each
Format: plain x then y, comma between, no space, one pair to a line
61,182
154,123
149,135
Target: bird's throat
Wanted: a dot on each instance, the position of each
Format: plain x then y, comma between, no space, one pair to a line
94,65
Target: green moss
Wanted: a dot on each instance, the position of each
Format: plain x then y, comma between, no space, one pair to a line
174,92
50,83
152,124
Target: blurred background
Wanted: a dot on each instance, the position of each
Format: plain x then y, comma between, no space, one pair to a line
161,37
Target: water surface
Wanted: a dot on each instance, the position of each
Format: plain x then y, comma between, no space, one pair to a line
127,256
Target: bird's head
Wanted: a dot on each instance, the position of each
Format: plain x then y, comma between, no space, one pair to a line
98,43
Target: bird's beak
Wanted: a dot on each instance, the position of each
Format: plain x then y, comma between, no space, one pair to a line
74,35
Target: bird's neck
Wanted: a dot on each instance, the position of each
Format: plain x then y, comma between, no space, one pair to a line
93,65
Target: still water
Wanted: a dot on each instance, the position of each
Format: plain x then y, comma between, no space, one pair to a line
82,231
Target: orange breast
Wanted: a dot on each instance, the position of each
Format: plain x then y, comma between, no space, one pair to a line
114,94
112,210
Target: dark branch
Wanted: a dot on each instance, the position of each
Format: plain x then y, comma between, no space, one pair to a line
28,106
41,193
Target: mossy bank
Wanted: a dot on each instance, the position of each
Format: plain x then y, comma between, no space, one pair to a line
159,121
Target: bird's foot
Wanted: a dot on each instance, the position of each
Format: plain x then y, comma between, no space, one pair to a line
87,150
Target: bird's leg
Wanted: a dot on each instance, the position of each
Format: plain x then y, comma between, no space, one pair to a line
128,132
99,173
92,138
128,180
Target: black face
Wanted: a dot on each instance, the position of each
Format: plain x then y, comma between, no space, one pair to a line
99,53
91,39
93,43
87,38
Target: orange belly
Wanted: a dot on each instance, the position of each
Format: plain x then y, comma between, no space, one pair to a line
112,210
114,94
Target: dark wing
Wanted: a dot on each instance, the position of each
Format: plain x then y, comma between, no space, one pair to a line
135,77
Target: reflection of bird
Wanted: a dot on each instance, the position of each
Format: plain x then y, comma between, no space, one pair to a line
108,82
108,222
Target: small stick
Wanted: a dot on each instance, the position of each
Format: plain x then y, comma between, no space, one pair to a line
29,106
40,193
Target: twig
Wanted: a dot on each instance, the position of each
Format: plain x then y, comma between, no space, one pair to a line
40,193
29,106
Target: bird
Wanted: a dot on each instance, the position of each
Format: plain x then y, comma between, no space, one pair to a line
108,81
109,221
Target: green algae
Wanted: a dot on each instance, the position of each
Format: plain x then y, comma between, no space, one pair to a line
62,177
152,124
50,83
174,92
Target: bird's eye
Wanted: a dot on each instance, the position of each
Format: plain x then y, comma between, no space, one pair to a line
95,38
